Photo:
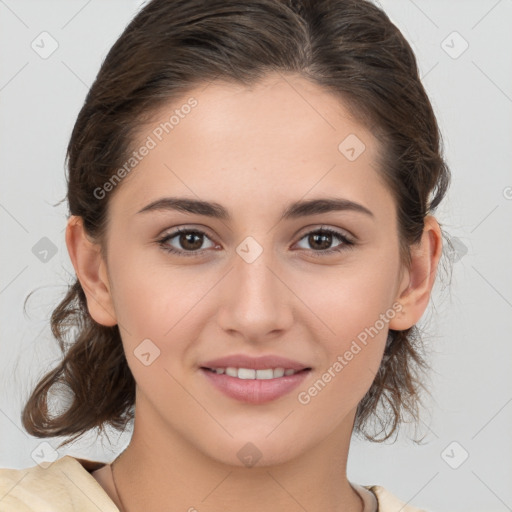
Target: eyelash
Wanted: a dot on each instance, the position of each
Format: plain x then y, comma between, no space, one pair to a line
347,243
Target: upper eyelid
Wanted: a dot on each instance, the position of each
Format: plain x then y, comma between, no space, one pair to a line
324,227
173,232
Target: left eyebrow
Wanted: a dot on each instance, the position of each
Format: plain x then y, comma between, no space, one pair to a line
295,210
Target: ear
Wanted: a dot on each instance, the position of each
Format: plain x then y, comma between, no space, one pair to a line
91,271
418,279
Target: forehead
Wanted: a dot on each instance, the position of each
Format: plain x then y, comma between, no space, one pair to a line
282,138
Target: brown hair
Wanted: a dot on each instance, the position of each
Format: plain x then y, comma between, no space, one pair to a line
349,47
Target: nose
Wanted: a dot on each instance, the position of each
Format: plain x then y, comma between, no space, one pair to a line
257,303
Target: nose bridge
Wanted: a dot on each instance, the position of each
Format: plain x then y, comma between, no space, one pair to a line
257,301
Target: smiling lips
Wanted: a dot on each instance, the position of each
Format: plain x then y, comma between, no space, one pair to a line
254,379
250,373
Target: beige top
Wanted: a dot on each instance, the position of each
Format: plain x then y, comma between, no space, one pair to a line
67,485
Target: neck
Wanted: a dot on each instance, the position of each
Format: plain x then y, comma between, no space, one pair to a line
160,467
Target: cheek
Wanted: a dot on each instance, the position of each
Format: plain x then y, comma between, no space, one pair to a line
349,300
354,311
158,318
146,293
160,303
352,359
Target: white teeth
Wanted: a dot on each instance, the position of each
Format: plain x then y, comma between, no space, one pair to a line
232,372
249,373
246,373
278,372
265,374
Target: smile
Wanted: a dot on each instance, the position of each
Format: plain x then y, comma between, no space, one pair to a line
252,386
250,373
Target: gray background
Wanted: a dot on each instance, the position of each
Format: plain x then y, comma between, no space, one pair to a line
468,323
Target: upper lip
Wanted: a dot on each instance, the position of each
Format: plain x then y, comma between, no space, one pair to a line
255,363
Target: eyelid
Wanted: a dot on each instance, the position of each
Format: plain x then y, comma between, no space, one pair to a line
171,233
177,229
348,240
300,233
325,227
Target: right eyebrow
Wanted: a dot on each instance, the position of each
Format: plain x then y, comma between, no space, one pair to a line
295,210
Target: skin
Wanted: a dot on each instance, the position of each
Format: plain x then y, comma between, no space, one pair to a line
254,151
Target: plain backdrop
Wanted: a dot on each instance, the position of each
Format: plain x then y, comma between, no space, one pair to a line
464,51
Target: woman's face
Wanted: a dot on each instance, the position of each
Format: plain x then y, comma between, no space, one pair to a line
253,275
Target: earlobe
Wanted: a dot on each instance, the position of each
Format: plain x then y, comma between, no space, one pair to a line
90,269
416,287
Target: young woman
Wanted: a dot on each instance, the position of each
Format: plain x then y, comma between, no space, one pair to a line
251,189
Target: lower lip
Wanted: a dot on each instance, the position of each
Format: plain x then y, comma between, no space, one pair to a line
255,391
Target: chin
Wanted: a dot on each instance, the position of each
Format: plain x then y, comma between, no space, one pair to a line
255,451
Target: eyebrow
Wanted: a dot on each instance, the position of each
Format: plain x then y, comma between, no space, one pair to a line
295,210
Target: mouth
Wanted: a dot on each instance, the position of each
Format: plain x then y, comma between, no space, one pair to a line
254,374
254,379
254,385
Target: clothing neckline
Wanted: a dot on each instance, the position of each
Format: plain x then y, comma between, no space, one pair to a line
90,465
368,497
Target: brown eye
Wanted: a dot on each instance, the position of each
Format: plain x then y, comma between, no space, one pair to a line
189,242
320,240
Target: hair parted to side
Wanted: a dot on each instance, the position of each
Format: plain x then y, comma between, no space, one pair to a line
348,47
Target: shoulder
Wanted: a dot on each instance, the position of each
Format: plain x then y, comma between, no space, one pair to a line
64,485
388,502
